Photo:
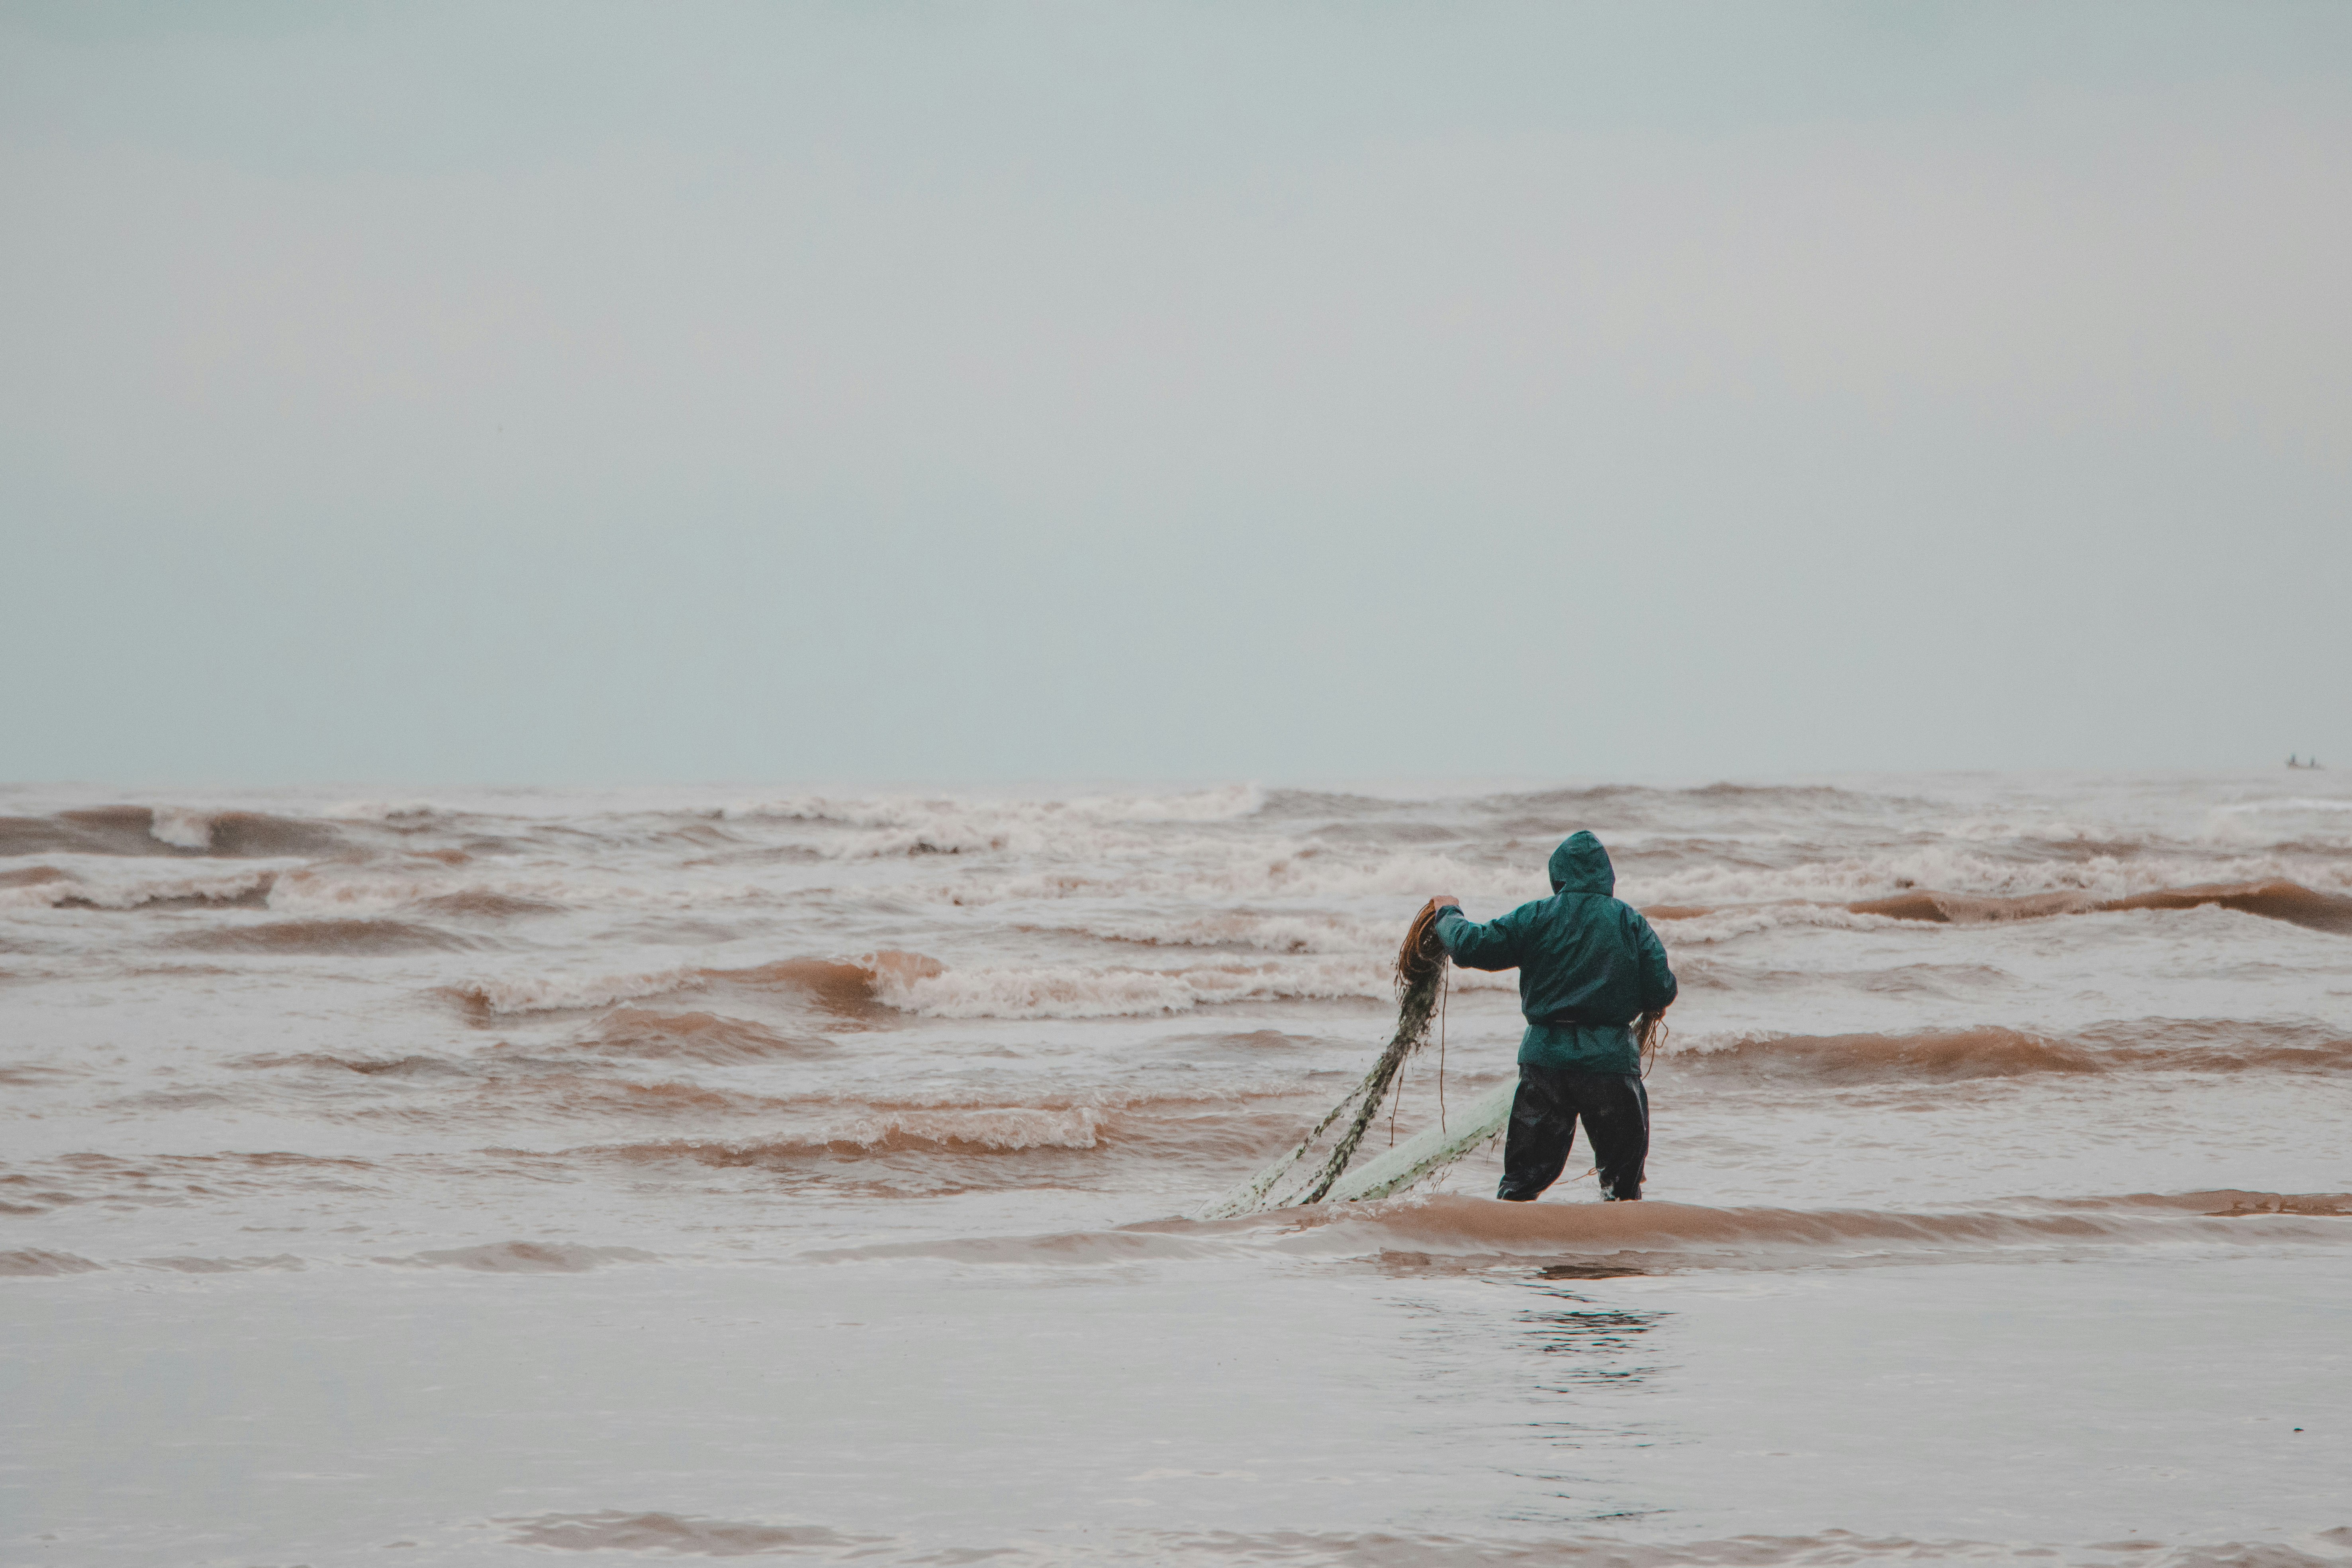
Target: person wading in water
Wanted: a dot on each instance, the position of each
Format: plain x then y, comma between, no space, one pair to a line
1589,966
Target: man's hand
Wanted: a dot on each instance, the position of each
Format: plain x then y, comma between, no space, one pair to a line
1439,903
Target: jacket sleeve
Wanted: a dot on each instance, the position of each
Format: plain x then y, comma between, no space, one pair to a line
1658,987
1495,945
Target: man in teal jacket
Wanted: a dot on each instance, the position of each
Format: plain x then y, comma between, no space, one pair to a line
1589,966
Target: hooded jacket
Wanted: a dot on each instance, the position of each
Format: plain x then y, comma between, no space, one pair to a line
1589,965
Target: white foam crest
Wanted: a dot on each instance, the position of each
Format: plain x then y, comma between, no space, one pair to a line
964,833
317,890
379,810
2252,825
1071,991
2298,803
1222,804
1219,805
181,828
1312,873
887,827
119,891
1266,933
555,993
2039,830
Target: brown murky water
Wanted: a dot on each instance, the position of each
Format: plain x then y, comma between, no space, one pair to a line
704,1173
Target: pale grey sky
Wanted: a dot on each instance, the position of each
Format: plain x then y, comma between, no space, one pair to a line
591,392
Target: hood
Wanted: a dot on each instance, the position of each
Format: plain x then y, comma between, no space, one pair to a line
1580,865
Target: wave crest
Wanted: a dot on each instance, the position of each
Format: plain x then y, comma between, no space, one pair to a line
167,830
890,826
64,890
850,988
1071,991
563,993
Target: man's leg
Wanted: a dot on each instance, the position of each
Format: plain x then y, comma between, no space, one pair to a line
1543,1125
1616,1110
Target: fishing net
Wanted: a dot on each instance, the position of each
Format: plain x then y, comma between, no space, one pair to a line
1301,1176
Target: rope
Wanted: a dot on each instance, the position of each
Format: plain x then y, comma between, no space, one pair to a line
1446,991
1650,1034
1396,1102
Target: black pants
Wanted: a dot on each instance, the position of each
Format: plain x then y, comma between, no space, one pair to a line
1616,1113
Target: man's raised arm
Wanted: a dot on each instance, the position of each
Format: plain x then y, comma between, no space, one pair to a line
1495,945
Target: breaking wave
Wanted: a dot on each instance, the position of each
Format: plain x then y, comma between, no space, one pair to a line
1074,990
2293,803
1248,930
61,890
849,988
396,811
1290,875
166,830
877,984
565,993
853,989
876,829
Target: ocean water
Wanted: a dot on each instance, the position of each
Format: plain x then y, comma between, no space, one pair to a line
493,1176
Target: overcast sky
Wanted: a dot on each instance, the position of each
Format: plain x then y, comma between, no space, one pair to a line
585,392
